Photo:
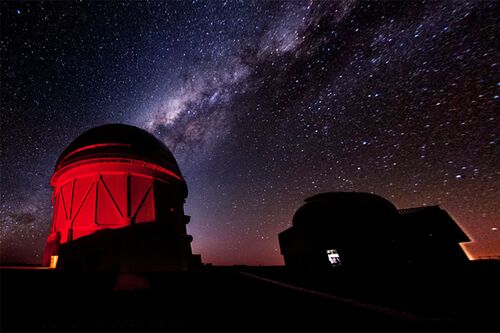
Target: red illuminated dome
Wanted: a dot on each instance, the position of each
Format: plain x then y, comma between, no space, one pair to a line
119,177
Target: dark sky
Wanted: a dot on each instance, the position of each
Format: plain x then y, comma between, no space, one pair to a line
263,103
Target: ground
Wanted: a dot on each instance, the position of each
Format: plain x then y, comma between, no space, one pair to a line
244,299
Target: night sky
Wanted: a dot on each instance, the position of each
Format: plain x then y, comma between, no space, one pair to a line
263,104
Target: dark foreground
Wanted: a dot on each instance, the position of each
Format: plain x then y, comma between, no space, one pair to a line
234,299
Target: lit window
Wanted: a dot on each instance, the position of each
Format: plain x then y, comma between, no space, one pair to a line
333,257
53,261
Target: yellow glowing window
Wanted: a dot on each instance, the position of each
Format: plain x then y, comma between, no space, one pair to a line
53,261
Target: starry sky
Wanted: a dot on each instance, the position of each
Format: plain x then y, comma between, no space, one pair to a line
263,103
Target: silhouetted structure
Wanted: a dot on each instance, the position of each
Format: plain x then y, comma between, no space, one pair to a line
430,237
365,231
118,204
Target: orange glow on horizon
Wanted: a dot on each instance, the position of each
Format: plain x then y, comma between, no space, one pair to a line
467,253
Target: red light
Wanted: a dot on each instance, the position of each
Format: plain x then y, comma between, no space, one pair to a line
99,145
103,193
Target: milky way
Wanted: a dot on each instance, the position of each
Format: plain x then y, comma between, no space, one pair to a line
263,104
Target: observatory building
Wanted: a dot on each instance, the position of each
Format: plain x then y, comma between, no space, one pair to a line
118,205
363,231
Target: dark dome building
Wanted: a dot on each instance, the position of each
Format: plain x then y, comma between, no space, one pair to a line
347,211
118,204
365,231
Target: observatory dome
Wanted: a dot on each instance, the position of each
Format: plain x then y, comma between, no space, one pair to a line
118,140
341,208
118,189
